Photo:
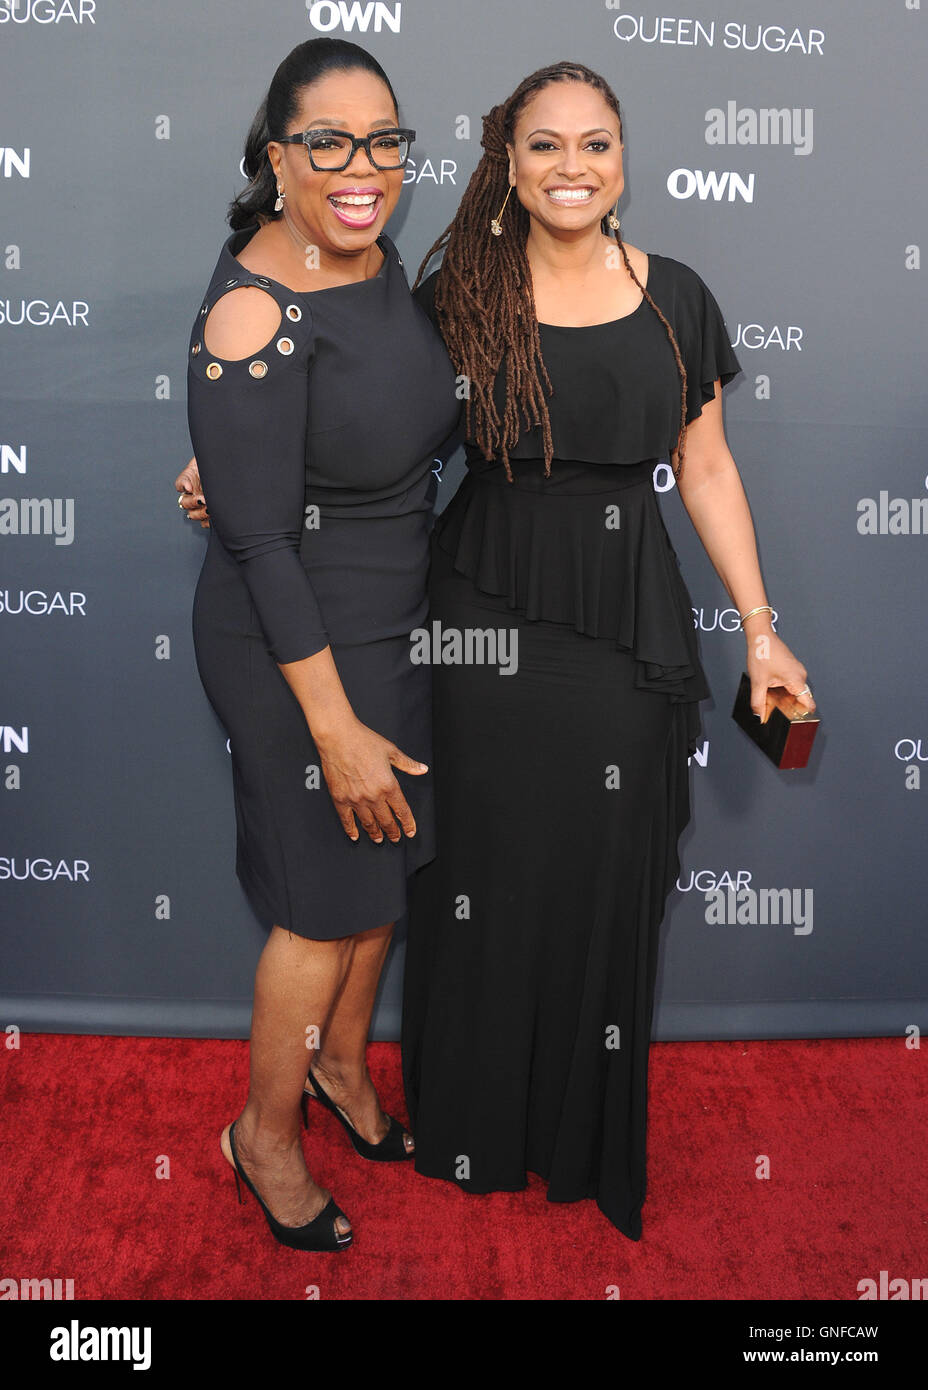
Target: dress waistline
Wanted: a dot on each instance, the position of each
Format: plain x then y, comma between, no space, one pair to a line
571,479
601,561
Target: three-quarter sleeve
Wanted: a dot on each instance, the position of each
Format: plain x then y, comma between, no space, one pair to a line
248,426
706,347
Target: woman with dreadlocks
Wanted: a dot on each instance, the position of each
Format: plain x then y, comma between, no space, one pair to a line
561,779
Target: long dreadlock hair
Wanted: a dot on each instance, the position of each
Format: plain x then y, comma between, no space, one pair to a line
484,301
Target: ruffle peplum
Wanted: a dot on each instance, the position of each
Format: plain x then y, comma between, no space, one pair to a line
587,547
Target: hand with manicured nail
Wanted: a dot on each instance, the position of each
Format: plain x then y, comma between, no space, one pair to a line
190,488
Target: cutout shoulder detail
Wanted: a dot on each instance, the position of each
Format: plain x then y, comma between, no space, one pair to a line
242,322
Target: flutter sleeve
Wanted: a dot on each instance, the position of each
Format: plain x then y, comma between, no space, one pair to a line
705,346
248,425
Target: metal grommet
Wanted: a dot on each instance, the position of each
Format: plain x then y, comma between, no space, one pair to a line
285,346
294,312
214,371
257,368
230,283
195,350
262,280
204,310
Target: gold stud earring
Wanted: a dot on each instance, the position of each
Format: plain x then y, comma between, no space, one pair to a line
280,199
496,226
613,219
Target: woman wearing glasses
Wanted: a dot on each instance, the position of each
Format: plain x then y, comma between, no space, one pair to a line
318,393
532,949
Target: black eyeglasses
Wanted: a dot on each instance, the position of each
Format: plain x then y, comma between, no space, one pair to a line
330,150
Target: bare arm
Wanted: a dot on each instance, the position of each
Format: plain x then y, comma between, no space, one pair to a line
711,490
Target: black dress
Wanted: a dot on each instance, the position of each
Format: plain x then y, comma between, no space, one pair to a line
562,787
316,456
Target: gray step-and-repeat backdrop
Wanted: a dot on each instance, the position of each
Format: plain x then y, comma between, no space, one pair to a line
776,147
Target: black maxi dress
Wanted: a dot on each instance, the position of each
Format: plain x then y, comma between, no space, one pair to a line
317,461
561,787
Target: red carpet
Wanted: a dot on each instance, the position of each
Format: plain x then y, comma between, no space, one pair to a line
87,1120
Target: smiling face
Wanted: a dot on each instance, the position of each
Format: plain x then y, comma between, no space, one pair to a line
565,158
340,212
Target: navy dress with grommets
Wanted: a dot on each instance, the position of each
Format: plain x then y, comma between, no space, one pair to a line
316,456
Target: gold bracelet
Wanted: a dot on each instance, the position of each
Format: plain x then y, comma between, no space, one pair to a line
764,608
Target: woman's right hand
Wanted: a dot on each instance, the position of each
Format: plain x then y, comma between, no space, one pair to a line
190,488
358,764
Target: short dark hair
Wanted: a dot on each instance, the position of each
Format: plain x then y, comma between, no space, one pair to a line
305,64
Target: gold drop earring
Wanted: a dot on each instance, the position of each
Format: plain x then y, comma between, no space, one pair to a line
496,226
613,219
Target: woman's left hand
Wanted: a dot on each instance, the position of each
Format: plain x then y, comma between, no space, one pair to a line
770,663
191,498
